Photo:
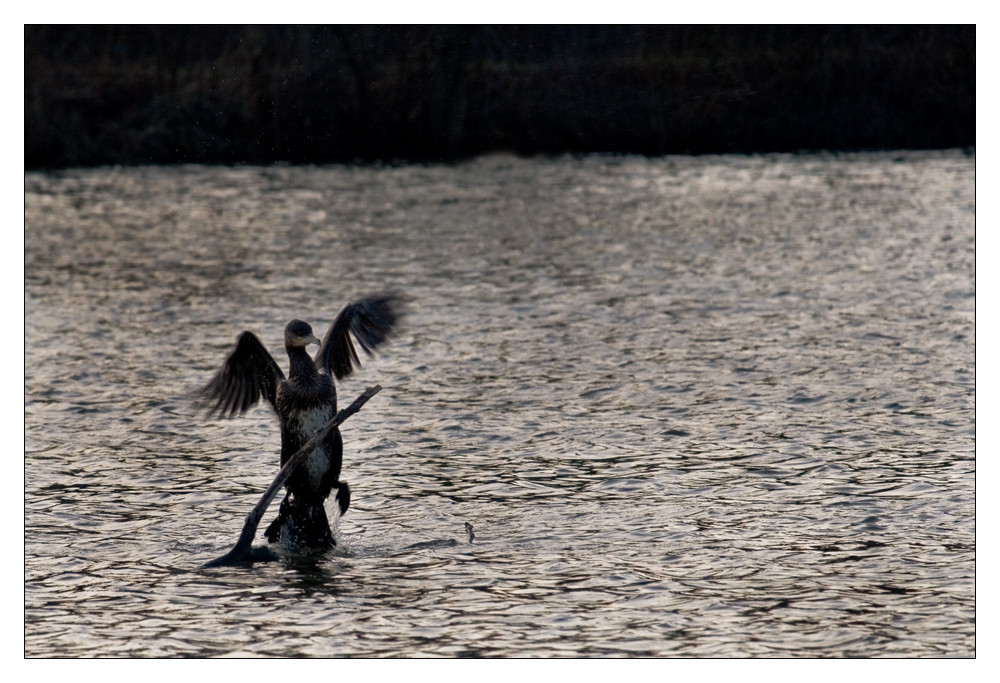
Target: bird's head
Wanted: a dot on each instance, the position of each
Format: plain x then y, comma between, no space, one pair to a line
299,335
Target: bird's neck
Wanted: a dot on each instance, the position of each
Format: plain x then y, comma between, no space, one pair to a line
300,364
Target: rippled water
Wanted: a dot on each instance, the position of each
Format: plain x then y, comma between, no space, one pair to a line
712,406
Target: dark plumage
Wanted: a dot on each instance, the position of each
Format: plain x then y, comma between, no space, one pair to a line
304,401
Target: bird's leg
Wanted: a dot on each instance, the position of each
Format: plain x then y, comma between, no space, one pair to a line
273,531
343,497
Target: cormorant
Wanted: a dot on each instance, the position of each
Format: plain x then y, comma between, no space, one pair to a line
304,401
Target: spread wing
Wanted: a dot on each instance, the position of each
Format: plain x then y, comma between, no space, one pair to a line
370,321
248,372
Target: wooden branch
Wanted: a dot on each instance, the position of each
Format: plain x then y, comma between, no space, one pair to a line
243,551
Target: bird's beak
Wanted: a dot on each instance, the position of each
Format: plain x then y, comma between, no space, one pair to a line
313,340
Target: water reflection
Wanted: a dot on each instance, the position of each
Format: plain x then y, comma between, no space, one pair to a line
712,407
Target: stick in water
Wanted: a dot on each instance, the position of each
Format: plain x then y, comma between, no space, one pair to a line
243,550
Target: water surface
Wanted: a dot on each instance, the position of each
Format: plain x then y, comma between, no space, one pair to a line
716,406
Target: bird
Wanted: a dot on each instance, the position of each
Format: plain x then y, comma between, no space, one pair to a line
304,402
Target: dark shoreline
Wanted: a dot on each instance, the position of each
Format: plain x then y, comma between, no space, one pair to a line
100,95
